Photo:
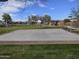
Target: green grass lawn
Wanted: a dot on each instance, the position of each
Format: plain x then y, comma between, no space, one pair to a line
24,27
39,51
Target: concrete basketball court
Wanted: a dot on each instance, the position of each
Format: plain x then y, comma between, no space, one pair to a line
40,36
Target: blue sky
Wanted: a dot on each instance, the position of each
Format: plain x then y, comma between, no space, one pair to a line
21,9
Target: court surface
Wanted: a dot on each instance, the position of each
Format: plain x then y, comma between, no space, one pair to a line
40,36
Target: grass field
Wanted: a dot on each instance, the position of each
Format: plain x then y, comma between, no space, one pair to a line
24,27
36,51
39,51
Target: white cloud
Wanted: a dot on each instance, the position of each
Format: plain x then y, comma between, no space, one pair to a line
13,6
12,15
52,8
22,20
71,0
40,4
34,14
10,7
16,5
29,3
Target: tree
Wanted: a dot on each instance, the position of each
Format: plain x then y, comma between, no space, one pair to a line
29,20
7,18
34,18
75,17
44,19
66,20
75,13
47,19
